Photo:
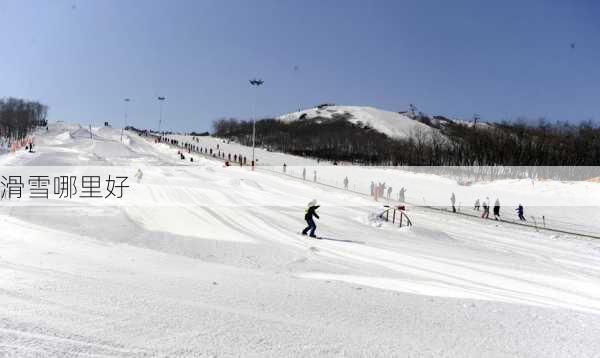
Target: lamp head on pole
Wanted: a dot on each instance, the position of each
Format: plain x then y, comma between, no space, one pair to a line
161,98
256,82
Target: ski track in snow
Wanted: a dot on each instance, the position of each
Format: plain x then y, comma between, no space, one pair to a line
216,267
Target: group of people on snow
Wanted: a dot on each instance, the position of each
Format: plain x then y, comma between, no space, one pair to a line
217,152
379,190
314,175
496,209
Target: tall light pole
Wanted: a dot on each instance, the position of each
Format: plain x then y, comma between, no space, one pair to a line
160,101
127,100
256,83
296,70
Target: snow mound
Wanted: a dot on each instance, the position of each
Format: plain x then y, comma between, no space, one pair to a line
392,124
251,183
80,133
59,139
238,182
108,133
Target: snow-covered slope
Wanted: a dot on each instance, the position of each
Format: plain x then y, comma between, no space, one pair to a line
210,263
392,124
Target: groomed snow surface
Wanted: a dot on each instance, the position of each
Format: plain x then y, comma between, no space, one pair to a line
228,275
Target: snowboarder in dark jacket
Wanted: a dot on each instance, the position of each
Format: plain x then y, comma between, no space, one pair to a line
310,213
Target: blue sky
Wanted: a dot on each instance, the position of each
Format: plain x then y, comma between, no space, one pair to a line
501,59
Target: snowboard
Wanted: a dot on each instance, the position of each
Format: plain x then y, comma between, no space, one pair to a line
331,239
309,237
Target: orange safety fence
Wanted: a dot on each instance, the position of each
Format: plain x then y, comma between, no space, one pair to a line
20,143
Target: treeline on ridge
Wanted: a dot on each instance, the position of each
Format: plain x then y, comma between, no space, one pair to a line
454,144
19,117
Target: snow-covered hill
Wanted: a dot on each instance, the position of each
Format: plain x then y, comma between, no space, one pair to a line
393,124
207,260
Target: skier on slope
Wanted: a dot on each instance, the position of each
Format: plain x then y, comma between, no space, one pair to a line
477,205
346,183
138,175
486,208
453,201
308,216
401,194
497,209
520,212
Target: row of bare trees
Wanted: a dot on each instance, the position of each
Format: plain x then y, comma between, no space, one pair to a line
19,117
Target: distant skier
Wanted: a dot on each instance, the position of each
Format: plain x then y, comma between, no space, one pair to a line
346,183
401,194
453,201
304,174
389,193
284,168
372,189
497,209
477,205
486,208
308,216
138,175
520,212
315,176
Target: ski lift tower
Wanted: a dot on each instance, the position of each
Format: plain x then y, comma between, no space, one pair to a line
256,83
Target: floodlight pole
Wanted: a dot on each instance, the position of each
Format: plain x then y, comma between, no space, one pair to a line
160,101
127,100
256,83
